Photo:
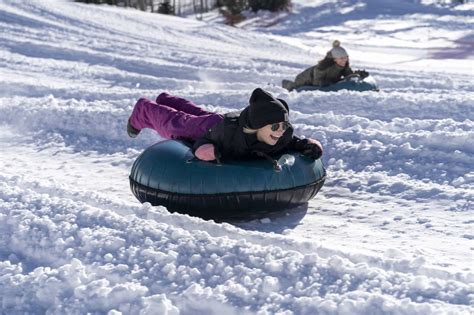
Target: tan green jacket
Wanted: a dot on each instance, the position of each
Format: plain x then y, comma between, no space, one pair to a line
315,76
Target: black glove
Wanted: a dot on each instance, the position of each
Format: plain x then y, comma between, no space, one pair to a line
362,73
311,148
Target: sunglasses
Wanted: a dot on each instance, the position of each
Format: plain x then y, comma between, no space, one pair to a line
284,125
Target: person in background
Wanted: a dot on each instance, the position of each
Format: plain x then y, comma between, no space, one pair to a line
262,129
330,70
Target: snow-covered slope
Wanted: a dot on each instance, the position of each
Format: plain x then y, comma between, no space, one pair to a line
390,232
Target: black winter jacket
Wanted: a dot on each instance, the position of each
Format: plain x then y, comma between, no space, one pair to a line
232,143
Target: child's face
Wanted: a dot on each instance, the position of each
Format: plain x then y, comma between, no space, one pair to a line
341,61
269,134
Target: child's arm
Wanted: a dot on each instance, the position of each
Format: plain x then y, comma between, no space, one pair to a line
207,147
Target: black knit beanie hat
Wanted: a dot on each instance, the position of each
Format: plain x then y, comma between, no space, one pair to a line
264,109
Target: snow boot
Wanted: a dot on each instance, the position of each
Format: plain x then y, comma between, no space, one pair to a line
132,132
287,84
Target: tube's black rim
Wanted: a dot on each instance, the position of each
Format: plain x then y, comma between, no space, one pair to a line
228,205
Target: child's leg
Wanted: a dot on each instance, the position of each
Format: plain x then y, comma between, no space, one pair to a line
170,123
180,104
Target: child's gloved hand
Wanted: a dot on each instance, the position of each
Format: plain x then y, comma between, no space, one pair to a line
311,148
362,73
206,152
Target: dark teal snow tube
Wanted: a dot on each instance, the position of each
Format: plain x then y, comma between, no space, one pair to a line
352,84
167,174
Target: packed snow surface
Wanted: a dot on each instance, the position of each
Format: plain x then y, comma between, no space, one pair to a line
391,232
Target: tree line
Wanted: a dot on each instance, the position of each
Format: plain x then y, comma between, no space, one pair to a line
229,8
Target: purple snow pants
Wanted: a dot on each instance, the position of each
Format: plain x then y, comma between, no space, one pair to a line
173,117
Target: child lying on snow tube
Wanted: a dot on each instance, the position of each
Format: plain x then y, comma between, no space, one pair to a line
330,70
262,129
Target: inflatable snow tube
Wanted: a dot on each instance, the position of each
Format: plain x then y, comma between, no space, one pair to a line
352,84
168,174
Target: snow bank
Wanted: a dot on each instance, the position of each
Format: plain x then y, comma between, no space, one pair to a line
65,256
